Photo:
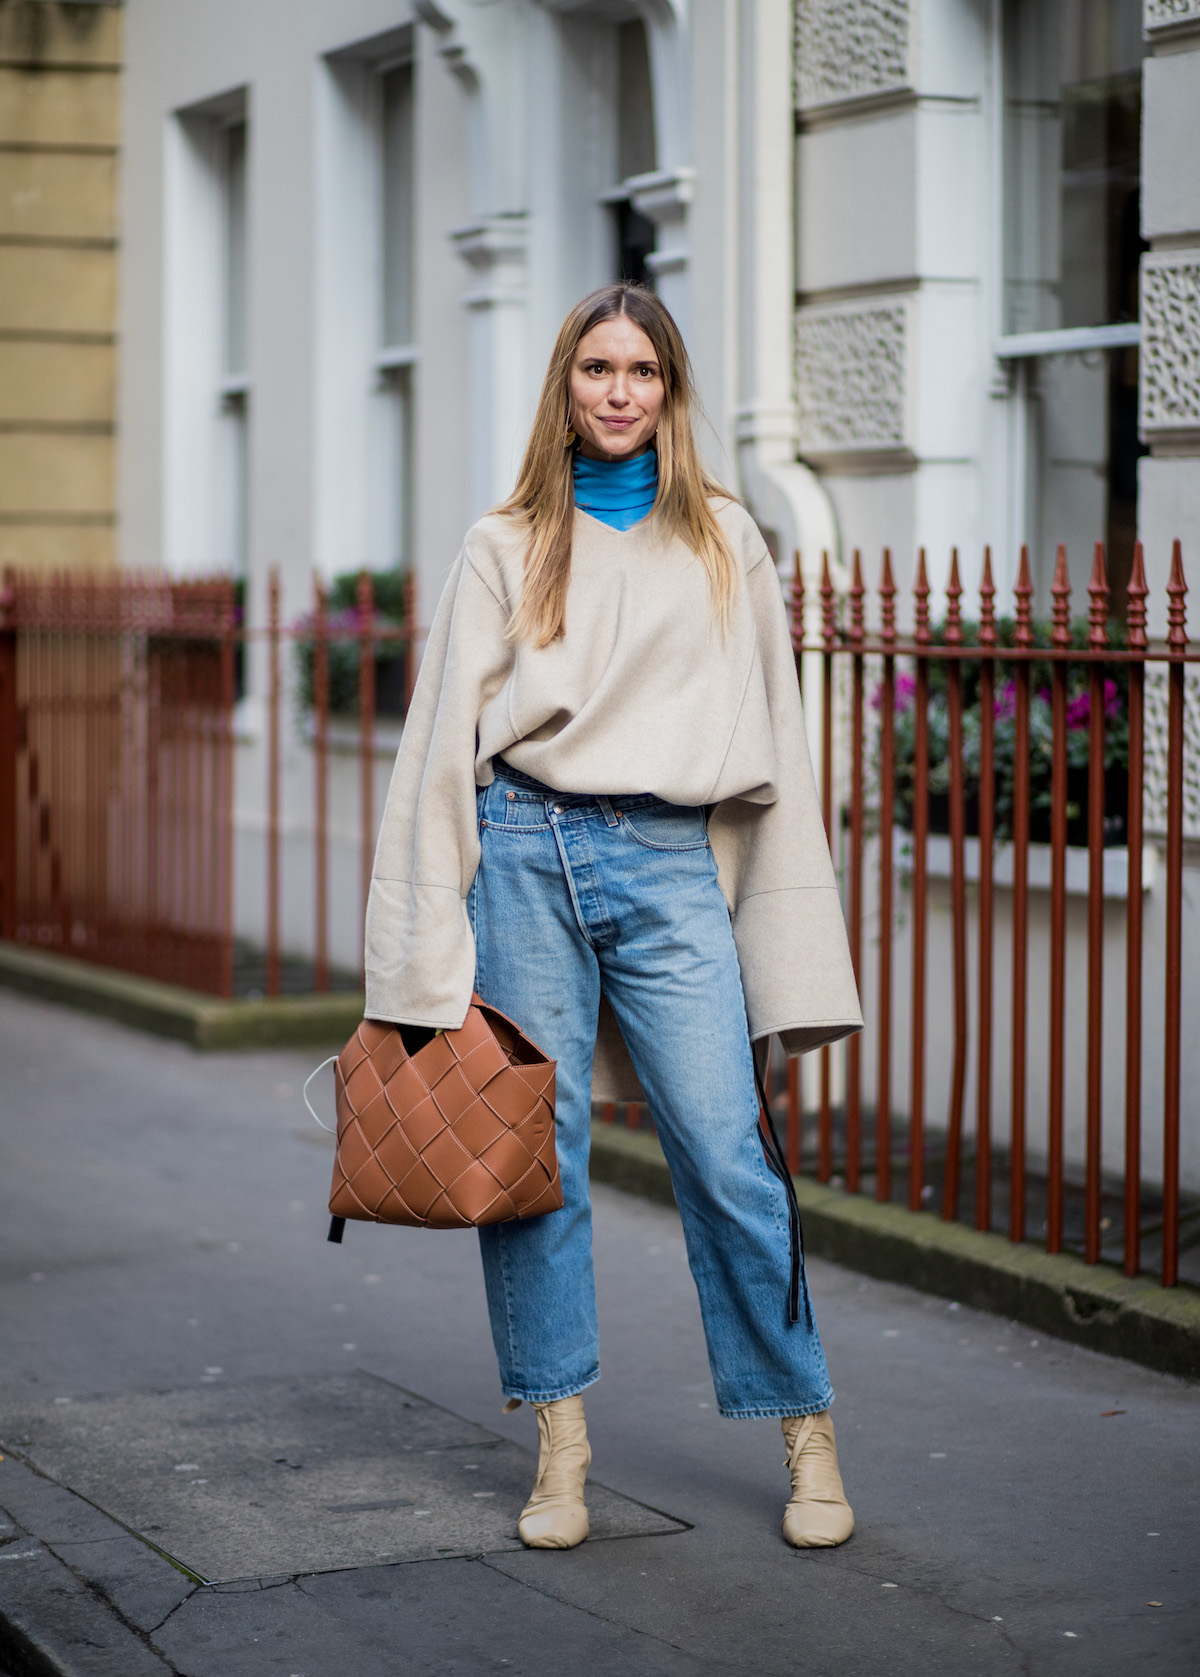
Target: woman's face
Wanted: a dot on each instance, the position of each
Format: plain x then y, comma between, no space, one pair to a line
616,390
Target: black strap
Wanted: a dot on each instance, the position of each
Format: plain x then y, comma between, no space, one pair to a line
778,1165
337,1227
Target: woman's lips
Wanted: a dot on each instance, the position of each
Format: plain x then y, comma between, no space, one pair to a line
617,424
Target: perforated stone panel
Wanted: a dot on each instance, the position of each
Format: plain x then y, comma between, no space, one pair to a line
1154,794
1170,360
850,378
849,49
1165,14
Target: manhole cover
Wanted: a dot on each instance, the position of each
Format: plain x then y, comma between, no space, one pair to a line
267,1477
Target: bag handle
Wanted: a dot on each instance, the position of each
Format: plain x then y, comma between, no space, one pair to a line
308,1103
336,1224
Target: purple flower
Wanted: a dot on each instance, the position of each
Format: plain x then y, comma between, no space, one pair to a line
1005,705
1079,711
904,689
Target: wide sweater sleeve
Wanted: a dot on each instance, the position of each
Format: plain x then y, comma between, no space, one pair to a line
420,950
774,866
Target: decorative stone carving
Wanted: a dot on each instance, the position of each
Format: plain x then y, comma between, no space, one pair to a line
1169,14
1154,794
663,197
850,49
494,248
851,378
1170,360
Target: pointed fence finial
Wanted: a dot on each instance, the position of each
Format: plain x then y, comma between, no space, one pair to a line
1024,597
953,610
797,601
1098,598
887,599
921,600
1135,603
1176,613
1060,593
987,602
857,596
828,604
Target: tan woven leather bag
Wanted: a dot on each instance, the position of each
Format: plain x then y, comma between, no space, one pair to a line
454,1135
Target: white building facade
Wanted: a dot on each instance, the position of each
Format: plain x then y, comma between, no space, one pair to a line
352,231
937,263
959,307
998,316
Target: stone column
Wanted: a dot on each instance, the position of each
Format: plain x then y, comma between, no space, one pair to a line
663,197
1169,478
500,403
1169,485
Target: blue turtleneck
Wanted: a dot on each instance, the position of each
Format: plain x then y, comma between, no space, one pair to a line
618,492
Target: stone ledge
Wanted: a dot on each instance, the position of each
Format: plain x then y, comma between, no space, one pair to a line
169,1010
1091,1305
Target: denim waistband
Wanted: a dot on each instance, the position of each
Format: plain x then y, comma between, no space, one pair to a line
504,770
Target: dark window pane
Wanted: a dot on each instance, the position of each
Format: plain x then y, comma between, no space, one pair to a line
397,92
635,103
1071,162
635,242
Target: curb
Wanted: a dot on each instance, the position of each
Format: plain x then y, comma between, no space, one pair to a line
79,1596
1091,1305
204,1022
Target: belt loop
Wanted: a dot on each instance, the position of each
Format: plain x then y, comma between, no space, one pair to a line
606,809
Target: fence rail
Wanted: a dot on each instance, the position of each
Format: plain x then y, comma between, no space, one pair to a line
1012,745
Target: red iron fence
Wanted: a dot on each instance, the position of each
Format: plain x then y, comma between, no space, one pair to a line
973,729
118,699
955,761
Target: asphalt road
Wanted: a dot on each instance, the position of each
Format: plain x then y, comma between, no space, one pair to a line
1023,1506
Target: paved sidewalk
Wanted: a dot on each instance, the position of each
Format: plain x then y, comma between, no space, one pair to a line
162,1230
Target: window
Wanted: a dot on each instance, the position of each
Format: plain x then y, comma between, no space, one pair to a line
1072,92
397,354
635,233
234,384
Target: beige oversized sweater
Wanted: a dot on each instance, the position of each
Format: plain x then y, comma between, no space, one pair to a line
643,693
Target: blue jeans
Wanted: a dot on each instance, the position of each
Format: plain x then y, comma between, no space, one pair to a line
575,895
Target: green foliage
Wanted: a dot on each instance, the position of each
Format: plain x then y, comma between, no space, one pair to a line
343,646
1041,737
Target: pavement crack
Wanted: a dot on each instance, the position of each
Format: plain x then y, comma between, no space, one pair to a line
105,1601
992,1623
615,1624
154,1629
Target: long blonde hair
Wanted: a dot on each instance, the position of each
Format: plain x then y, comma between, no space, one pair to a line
544,498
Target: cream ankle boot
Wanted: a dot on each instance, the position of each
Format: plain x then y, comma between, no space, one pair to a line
555,1516
818,1516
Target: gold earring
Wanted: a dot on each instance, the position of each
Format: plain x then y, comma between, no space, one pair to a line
569,439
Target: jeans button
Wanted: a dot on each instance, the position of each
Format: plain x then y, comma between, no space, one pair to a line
558,809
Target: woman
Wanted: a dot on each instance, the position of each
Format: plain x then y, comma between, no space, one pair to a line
603,818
